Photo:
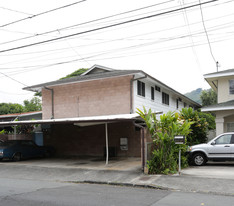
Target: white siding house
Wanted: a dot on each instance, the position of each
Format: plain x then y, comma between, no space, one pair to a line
158,97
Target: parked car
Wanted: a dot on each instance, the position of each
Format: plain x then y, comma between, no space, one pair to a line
221,148
22,149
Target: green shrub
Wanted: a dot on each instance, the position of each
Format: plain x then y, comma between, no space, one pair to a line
165,154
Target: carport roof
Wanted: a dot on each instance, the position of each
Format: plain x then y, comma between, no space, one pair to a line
83,120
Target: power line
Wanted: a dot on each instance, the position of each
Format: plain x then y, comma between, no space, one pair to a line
20,12
208,40
87,22
35,67
150,43
191,38
115,57
157,31
105,27
42,13
13,79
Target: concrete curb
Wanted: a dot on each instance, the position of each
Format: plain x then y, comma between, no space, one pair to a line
121,184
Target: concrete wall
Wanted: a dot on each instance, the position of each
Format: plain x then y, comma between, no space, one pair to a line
70,140
222,118
90,98
223,89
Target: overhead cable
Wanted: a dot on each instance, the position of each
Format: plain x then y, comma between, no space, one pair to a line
105,27
83,23
42,13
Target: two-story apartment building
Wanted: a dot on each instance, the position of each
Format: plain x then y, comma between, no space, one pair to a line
223,84
105,91
83,110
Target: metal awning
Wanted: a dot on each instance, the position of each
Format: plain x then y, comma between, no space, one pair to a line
85,121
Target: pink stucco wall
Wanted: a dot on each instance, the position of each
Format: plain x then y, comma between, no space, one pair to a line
89,98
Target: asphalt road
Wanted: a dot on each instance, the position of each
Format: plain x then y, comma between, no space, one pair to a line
24,192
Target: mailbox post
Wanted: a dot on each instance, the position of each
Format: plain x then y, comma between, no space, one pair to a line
179,139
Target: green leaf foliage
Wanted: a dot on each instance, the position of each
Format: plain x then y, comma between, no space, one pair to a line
10,108
200,126
165,153
75,73
208,97
32,105
29,106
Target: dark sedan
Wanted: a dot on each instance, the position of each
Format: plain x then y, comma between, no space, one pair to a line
22,149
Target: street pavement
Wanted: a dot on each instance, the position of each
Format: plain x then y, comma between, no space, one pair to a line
210,179
23,192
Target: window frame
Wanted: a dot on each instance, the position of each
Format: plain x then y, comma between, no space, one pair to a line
231,86
140,88
165,98
152,93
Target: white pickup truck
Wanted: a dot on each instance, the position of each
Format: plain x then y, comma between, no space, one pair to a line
221,148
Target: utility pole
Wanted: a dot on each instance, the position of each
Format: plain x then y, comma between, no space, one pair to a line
217,66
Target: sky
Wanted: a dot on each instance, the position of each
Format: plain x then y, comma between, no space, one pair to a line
175,41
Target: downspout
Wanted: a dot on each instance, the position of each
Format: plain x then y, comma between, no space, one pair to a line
52,101
131,91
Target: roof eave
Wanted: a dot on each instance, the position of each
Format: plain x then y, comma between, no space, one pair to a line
210,109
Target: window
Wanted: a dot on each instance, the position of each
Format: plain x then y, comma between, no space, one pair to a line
231,86
225,139
165,98
141,88
152,93
185,105
177,104
230,127
157,88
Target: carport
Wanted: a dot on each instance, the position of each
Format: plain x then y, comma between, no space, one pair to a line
108,122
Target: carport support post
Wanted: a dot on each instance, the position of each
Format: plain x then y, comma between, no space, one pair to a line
15,132
179,161
107,151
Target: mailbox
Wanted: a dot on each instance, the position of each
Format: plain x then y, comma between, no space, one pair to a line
180,139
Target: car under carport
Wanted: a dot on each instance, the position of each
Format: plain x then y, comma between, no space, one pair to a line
110,136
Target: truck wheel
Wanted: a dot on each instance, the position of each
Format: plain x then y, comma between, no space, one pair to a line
199,159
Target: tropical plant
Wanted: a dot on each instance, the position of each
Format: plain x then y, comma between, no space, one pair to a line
165,153
199,128
208,97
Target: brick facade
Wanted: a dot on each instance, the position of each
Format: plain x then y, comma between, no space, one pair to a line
91,98
71,140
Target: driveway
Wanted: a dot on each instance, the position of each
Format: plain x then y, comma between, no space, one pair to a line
94,163
220,170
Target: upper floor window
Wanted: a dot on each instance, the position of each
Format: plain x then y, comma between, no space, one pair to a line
140,88
152,93
165,98
157,88
231,86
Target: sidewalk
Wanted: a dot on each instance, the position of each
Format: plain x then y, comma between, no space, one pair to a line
115,174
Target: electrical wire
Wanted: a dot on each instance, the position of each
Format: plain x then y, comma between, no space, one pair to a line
117,50
104,27
20,12
186,20
42,13
84,23
208,40
13,79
